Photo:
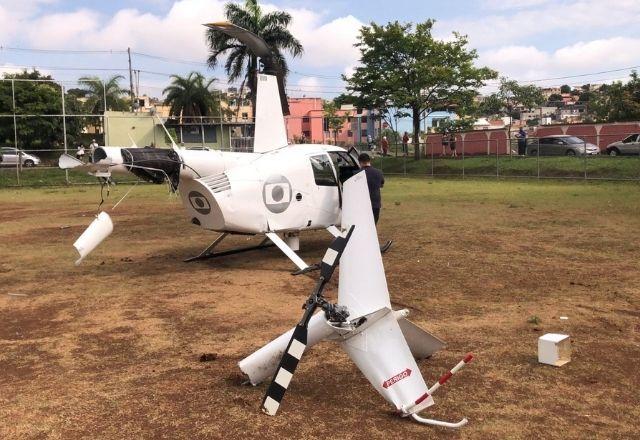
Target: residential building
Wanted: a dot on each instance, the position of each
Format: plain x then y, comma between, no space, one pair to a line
306,123
538,113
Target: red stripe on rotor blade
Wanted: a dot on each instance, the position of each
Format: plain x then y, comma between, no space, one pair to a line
422,398
468,358
445,377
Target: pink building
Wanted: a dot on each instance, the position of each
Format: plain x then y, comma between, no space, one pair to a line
306,121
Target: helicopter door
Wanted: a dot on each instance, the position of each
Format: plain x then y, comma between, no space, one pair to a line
326,199
344,164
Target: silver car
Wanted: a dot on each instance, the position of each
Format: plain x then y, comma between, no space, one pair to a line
561,145
628,146
10,157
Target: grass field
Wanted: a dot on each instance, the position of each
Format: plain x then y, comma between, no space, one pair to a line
602,167
111,349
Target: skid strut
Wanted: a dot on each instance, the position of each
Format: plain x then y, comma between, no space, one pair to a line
444,378
208,252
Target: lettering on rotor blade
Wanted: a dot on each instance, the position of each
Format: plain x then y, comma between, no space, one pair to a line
397,378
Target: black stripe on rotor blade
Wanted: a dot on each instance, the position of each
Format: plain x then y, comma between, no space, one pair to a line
333,254
288,363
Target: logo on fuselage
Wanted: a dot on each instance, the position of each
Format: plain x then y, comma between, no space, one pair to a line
276,194
199,203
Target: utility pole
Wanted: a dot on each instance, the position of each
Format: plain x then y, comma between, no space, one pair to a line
130,79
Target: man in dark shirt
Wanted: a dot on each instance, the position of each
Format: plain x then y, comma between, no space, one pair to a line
375,181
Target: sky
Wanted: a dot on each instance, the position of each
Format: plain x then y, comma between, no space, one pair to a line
538,41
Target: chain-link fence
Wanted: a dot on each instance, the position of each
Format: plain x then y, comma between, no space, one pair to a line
42,119
557,157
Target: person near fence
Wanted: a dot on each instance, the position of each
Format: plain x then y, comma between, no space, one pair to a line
80,152
384,146
522,141
445,142
405,143
452,145
375,181
92,148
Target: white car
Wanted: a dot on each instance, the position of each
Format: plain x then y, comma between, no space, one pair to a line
10,157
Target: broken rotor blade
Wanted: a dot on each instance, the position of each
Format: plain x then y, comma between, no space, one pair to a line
298,342
332,256
286,368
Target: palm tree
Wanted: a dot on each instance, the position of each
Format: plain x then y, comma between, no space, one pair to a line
97,91
191,96
240,63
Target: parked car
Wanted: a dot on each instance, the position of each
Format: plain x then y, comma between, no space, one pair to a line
561,145
10,157
628,146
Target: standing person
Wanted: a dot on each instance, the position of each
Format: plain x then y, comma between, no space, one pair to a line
452,145
92,148
384,145
80,152
375,181
445,142
522,141
405,143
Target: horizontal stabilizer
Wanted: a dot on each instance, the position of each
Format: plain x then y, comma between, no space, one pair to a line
421,343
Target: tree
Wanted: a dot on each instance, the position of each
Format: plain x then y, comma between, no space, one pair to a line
555,99
334,121
240,63
43,97
510,96
618,102
404,67
96,91
191,96
565,89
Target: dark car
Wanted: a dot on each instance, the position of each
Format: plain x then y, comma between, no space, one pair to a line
561,145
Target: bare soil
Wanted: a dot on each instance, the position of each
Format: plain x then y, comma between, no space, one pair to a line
113,348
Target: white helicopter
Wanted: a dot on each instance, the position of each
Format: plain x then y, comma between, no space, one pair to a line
277,191
382,342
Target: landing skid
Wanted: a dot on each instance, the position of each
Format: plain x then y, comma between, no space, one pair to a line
208,252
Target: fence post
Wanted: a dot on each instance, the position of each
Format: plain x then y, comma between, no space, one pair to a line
463,150
585,159
432,162
15,128
497,162
202,129
64,130
538,156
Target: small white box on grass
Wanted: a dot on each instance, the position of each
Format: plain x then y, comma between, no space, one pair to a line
554,349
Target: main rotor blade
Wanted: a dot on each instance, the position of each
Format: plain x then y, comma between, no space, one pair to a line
286,368
332,256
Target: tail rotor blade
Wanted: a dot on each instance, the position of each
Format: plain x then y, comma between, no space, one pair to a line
332,256
298,343
286,368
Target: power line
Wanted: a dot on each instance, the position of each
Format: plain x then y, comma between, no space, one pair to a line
62,51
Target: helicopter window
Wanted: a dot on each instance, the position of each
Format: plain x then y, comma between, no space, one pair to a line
344,164
322,171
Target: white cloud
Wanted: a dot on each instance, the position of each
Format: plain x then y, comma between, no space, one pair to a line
552,19
326,44
179,33
528,62
512,4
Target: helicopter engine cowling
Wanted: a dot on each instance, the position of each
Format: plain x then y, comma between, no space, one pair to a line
225,201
